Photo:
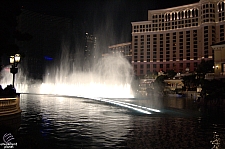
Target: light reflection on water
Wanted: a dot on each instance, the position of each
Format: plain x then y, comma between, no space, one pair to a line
67,122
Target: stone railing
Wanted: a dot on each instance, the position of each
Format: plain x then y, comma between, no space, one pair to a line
9,105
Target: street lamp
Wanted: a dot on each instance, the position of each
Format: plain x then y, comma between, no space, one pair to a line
14,60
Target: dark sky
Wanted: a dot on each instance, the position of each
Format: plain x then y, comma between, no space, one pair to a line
109,20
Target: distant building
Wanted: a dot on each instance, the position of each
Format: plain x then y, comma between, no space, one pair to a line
177,38
90,49
123,48
46,43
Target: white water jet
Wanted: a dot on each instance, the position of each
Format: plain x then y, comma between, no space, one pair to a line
110,77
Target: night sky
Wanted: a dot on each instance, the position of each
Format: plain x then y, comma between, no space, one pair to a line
109,20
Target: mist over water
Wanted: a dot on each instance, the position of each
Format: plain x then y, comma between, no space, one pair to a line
110,77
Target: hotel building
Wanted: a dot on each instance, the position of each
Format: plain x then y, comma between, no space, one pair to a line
177,38
123,48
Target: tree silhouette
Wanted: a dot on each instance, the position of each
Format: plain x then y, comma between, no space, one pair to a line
213,91
190,82
204,67
171,73
159,83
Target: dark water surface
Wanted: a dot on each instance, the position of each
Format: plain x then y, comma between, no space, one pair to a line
69,122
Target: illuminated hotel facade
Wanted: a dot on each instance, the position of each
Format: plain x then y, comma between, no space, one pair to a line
177,38
123,48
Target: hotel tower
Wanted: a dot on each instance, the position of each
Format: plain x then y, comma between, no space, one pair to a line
177,38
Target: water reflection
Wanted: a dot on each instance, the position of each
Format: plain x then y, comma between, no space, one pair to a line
66,122
216,141
70,120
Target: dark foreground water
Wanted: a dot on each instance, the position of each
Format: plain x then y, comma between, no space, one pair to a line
69,122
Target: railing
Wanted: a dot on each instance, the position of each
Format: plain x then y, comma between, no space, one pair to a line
210,76
222,73
9,105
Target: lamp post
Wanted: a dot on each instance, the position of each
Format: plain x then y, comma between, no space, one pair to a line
14,60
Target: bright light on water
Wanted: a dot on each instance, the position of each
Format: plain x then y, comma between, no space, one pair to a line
135,107
88,90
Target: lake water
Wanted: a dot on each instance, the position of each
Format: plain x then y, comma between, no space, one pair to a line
70,122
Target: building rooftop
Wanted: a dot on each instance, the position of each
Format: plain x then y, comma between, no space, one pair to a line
219,43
